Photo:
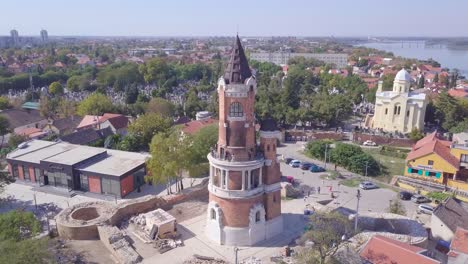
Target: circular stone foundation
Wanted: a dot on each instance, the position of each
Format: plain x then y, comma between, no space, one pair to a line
86,213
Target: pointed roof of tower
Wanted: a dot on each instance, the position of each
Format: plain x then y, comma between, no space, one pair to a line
237,70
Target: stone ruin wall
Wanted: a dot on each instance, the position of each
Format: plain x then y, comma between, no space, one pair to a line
110,214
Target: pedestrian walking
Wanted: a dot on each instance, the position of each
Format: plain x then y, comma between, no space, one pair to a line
318,190
308,193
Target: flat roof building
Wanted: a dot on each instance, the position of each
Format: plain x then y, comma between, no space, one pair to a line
77,167
340,60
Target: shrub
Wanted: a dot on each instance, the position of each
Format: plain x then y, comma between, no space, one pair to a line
316,149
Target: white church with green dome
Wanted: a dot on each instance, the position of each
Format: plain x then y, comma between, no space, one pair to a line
399,110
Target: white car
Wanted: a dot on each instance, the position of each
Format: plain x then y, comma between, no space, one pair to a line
425,209
295,163
369,143
366,185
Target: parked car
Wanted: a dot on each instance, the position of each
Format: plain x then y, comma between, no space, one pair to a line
306,165
316,168
425,209
369,143
366,185
404,195
295,163
417,198
288,160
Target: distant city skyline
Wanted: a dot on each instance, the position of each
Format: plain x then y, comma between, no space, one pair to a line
250,18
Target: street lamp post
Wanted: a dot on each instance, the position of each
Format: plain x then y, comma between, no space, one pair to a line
326,148
236,250
358,196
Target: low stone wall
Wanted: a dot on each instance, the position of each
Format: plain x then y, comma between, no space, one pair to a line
110,214
381,140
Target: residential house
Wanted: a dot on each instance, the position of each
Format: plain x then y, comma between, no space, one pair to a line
31,133
459,247
439,161
447,217
118,123
383,250
21,119
194,126
88,136
63,126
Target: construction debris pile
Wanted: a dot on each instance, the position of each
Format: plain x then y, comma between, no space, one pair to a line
156,224
118,244
198,259
288,190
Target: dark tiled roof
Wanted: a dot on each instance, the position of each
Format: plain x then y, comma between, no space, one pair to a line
87,136
18,117
118,122
268,124
452,213
237,70
68,123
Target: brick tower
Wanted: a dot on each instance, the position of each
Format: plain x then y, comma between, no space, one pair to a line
244,186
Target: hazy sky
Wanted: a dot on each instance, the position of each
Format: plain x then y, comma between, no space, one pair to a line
252,17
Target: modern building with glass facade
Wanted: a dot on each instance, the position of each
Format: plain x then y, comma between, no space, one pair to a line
76,167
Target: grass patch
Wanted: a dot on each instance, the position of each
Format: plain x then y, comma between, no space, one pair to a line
440,196
351,182
390,166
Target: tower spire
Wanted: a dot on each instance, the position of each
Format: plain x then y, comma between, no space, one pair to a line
237,69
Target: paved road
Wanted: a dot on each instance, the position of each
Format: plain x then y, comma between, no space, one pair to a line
376,200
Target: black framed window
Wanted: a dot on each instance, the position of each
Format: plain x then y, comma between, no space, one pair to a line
37,173
26,175
84,182
235,110
15,171
110,186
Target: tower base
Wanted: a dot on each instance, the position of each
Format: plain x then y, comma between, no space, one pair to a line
244,236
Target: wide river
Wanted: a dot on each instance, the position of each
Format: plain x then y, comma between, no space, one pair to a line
448,58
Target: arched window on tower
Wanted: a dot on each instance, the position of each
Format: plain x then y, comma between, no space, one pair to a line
235,110
213,214
407,113
399,108
268,147
386,110
257,217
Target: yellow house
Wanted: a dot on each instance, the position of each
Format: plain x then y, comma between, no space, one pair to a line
439,161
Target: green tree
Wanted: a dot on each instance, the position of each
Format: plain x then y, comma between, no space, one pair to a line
55,88
324,237
416,134
421,82
15,140
29,251
18,225
95,104
170,156
448,110
4,128
316,149
436,78
148,125
363,163
396,207
4,103
16,244
387,84
161,106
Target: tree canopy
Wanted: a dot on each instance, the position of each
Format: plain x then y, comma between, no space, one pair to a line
95,104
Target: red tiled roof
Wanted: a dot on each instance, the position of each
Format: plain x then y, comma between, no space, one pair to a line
28,131
463,93
118,121
193,127
431,144
460,241
383,250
